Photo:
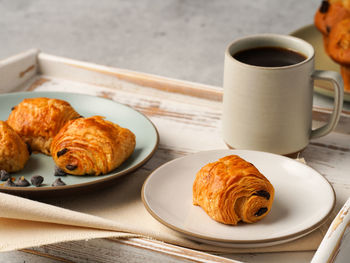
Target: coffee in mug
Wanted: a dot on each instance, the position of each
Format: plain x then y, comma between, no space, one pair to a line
269,57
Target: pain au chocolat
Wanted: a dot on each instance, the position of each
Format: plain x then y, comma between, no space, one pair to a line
38,120
14,153
91,146
332,19
231,190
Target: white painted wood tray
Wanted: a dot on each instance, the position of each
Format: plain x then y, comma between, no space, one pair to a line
175,107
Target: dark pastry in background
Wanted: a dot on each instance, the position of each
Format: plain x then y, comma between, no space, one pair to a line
332,19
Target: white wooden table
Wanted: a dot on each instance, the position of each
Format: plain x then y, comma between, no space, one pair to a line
188,118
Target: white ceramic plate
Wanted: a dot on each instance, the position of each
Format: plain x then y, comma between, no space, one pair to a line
303,200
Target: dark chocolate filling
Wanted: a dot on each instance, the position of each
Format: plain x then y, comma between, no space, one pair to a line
324,7
263,193
71,167
261,211
61,152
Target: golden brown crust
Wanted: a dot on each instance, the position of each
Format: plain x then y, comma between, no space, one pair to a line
339,42
345,72
91,146
13,150
326,18
232,190
332,19
38,120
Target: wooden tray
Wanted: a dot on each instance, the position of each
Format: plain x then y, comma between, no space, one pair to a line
188,118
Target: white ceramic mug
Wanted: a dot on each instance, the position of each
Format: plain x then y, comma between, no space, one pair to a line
269,108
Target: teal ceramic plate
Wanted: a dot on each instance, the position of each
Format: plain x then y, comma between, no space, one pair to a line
39,164
322,60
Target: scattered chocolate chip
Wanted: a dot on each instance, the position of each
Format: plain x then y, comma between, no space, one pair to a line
22,182
13,108
324,7
328,29
58,182
4,176
61,152
29,148
263,193
261,211
10,183
59,172
37,180
71,167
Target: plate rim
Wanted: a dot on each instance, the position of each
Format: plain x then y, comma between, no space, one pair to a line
238,242
101,180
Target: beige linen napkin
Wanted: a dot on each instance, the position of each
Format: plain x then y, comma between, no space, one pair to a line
116,211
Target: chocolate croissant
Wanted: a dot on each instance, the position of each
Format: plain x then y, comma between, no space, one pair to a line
38,120
339,42
14,153
91,146
330,13
332,19
231,190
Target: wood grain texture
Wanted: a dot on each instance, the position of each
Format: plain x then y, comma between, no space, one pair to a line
189,124
105,251
188,118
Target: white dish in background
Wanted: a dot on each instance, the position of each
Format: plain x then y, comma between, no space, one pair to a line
303,200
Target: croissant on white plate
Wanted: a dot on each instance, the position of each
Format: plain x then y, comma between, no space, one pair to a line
231,190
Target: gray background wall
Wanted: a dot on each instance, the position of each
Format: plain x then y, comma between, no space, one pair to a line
182,39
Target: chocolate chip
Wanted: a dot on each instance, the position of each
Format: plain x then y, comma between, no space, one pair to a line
4,176
263,193
59,172
13,108
10,183
29,148
324,7
22,182
261,211
61,152
328,29
37,180
58,182
71,167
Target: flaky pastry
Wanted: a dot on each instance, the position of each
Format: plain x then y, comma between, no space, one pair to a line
14,153
332,19
38,120
231,190
91,146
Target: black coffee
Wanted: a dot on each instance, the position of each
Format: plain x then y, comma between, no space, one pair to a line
269,57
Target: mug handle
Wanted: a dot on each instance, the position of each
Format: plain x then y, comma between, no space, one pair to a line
338,84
